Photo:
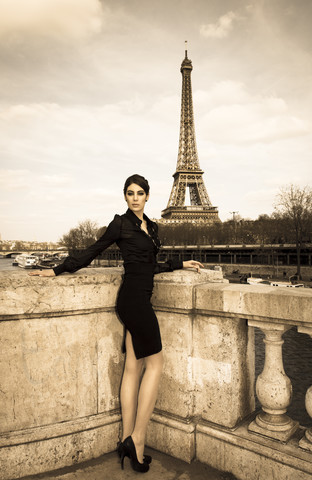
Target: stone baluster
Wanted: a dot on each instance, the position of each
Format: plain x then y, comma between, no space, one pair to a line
306,441
273,387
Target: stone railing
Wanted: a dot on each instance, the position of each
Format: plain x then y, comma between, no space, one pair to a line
61,364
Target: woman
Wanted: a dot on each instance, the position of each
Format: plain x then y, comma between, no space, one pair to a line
138,241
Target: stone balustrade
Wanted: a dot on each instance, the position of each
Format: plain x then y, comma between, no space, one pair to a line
273,387
61,364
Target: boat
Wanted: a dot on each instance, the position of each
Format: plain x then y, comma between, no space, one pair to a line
257,281
287,284
48,261
260,281
26,261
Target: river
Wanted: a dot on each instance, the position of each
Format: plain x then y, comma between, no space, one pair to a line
6,264
297,357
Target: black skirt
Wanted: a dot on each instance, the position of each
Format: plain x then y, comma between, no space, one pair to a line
135,310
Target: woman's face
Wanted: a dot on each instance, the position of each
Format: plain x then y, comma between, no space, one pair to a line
136,198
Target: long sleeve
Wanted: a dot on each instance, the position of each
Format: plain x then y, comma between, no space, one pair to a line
168,266
73,263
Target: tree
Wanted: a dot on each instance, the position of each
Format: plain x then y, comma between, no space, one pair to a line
80,237
295,204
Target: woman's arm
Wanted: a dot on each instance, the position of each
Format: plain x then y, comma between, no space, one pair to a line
176,264
72,263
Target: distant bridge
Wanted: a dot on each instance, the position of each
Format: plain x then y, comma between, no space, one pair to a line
276,254
10,254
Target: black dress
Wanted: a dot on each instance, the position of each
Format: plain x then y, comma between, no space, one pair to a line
139,251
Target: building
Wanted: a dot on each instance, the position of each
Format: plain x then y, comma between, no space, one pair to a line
188,178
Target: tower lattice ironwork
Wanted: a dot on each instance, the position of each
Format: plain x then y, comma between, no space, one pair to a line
188,172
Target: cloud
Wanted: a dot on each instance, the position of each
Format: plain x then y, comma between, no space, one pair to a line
14,179
221,28
232,115
71,160
50,18
66,136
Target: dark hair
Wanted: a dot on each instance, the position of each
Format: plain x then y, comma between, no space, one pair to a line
138,180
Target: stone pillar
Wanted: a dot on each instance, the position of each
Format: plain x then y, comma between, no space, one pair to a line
173,426
306,441
223,359
60,370
273,387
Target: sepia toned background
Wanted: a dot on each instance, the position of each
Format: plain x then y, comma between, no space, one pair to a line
91,90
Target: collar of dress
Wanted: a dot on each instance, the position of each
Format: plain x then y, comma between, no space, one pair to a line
135,220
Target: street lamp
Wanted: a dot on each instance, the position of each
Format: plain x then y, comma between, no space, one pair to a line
234,222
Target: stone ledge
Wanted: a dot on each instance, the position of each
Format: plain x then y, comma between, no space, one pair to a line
248,301
22,294
188,276
249,455
180,287
55,430
173,436
53,314
90,440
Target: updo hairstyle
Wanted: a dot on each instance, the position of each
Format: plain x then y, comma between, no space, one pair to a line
138,180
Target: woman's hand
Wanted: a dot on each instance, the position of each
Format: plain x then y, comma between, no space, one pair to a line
46,272
193,264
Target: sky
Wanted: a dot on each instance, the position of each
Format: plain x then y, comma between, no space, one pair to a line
90,93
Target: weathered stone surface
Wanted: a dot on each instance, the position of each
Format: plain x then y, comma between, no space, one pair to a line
173,436
273,387
60,362
188,276
223,368
177,329
110,361
60,369
48,371
176,289
251,457
46,448
88,288
248,301
177,380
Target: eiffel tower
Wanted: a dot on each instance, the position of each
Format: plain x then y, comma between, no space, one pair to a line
188,172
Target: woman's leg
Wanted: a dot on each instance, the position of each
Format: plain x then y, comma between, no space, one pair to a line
129,388
146,400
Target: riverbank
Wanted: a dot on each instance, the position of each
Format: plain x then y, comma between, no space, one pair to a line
234,273
231,272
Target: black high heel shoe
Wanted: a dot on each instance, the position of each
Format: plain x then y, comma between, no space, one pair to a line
120,446
129,450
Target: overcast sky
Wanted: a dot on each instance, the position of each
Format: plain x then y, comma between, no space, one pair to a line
91,92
